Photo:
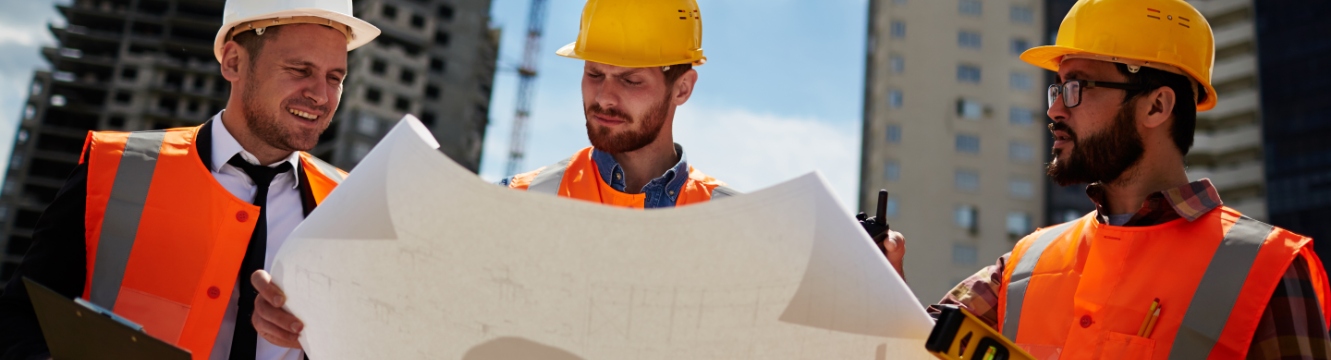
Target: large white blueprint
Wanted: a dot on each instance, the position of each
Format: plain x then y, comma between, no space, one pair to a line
414,257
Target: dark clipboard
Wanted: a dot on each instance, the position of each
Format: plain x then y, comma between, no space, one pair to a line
77,332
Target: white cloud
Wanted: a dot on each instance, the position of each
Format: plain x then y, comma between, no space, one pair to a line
24,36
750,150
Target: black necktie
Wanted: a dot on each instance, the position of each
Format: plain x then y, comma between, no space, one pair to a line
245,339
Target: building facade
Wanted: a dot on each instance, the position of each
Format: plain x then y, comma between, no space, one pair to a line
954,129
148,64
1295,85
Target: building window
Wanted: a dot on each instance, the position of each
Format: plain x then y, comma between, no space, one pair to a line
1023,14
894,134
970,109
964,254
895,99
359,150
892,207
367,124
378,67
1019,46
402,104
445,12
441,38
427,118
1020,152
1018,224
129,73
124,97
968,144
29,111
898,29
57,100
1021,116
1021,188
1021,82
892,171
373,95
968,73
417,21
968,39
437,65
388,11
966,217
966,180
897,64
971,7
1070,215
431,92
407,76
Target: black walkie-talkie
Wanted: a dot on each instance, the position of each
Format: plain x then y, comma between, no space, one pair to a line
877,226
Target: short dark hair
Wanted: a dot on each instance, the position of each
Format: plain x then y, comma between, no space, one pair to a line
674,72
1185,109
253,42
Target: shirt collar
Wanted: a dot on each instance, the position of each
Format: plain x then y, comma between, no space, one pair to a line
613,174
1189,202
225,146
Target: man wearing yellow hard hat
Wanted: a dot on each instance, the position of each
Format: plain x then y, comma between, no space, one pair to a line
1161,269
639,58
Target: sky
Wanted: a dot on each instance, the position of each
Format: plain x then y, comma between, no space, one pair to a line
781,94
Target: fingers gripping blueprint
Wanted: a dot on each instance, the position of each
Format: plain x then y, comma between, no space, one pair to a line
414,257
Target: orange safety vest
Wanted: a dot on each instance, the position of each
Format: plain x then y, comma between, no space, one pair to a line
1082,290
579,178
164,239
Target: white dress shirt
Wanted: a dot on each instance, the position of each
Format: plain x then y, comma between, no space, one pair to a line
283,211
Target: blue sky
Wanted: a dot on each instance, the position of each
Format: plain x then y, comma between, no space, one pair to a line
781,94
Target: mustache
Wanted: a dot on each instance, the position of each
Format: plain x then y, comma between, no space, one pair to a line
596,109
1058,126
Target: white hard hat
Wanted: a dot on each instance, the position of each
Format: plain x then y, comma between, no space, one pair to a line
244,15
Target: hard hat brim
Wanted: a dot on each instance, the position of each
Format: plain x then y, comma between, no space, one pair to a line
1049,57
570,51
362,32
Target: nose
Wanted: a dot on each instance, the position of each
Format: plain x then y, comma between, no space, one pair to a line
317,92
1057,111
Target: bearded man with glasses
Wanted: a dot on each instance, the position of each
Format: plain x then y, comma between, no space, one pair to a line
1161,269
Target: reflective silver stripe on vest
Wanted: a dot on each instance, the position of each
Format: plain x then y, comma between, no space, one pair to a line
1021,277
547,181
721,192
327,169
120,223
1219,289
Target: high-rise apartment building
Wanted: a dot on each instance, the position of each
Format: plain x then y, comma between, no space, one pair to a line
1227,146
148,64
954,129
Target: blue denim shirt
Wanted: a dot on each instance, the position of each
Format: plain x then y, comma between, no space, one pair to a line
661,192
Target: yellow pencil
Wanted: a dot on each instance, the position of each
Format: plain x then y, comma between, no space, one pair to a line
1151,327
1146,322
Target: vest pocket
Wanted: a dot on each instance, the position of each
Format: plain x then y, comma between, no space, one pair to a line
1123,346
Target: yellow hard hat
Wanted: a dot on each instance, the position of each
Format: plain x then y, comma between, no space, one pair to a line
639,33
1169,35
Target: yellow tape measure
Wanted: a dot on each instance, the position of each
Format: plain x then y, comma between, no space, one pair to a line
959,335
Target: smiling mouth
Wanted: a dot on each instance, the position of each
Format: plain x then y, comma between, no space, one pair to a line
302,114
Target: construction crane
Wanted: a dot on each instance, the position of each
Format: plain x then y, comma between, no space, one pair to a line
526,82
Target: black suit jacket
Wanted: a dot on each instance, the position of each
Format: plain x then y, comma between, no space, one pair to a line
58,257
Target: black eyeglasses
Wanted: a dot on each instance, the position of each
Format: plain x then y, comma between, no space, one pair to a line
1071,90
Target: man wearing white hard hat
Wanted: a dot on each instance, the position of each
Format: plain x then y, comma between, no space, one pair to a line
166,227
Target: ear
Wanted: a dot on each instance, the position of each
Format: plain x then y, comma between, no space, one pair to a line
235,60
1157,107
684,87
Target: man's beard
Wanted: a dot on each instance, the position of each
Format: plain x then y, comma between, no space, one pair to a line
263,122
1101,157
630,139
